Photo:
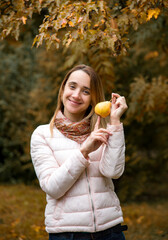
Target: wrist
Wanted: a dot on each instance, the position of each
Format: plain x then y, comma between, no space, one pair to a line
84,153
115,121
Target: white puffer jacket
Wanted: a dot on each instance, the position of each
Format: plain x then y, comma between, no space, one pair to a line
80,192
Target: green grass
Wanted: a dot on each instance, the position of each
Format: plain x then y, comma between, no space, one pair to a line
22,216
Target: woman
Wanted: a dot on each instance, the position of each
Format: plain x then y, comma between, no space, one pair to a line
76,156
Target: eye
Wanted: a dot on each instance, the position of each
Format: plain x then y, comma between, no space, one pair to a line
86,92
71,86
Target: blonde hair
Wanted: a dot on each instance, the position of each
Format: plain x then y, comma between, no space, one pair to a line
97,95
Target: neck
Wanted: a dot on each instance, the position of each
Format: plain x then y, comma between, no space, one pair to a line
73,117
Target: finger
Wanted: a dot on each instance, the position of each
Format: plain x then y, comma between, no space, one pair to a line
114,100
104,131
105,135
101,139
121,100
115,95
118,102
97,124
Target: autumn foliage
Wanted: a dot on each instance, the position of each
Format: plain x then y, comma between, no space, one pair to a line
102,23
126,42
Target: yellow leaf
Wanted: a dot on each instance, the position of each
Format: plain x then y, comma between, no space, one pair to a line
113,23
71,24
15,222
80,19
64,22
22,237
135,12
36,228
153,13
152,54
54,38
102,21
24,19
140,219
68,42
93,32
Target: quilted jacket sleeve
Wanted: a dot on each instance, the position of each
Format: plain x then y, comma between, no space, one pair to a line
55,180
113,158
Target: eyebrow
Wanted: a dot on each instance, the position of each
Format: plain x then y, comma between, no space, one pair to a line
76,84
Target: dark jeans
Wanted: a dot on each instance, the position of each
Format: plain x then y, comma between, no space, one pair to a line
109,234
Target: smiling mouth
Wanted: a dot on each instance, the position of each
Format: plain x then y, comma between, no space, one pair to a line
74,102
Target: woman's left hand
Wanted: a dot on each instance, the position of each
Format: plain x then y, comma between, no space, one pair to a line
97,137
118,107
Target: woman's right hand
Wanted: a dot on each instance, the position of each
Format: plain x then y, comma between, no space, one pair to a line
96,138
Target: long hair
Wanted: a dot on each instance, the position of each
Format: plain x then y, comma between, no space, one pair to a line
97,95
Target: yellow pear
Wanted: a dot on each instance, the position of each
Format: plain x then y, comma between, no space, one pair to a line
103,108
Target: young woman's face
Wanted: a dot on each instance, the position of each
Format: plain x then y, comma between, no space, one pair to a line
76,96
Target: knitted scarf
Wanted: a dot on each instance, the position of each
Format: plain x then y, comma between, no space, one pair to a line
77,131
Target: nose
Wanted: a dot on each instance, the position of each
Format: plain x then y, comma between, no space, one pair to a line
76,94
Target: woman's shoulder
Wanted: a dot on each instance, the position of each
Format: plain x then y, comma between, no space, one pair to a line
42,130
43,127
45,131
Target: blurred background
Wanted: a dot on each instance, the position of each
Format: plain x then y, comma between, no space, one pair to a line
30,78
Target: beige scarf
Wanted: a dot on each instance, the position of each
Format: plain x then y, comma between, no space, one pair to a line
76,131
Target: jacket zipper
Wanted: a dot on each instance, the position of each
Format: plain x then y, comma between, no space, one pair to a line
93,210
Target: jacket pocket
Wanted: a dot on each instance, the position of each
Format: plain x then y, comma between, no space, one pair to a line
58,209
